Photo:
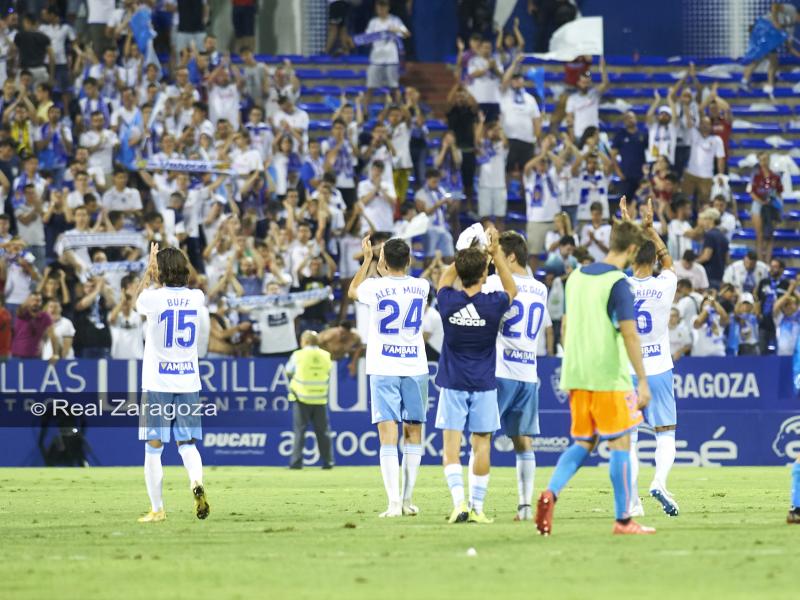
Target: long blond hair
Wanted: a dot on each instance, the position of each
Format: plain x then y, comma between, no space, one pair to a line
566,223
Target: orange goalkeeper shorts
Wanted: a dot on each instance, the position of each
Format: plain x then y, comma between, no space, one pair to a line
607,415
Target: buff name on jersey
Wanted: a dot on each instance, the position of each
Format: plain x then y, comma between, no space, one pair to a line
519,356
399,351
175,368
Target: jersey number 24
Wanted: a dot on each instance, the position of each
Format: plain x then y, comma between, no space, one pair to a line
412,319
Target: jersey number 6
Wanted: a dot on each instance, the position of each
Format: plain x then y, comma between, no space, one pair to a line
644,320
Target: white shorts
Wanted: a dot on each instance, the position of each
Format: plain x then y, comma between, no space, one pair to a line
383,76
492,202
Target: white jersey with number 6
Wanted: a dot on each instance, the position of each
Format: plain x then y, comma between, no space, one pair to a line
652,302
395,346
524,321
175,321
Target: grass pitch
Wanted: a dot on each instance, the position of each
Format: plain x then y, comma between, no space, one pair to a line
278,534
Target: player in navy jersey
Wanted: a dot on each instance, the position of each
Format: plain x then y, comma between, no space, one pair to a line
466,376
176,319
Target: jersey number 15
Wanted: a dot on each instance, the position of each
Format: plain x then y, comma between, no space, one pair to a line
178,329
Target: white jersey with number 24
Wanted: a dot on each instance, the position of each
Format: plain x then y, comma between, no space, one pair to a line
175,320
652,302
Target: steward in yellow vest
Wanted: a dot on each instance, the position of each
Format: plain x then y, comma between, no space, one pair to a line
309,369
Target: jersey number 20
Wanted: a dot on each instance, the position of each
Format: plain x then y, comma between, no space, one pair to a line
176,329
412,320
534,314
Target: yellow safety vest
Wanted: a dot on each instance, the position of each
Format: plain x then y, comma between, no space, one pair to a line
312,368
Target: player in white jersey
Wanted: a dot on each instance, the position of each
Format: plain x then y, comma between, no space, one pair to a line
653,298
170,374
517,377
396,364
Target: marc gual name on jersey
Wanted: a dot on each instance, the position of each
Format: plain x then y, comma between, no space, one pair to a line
519,356
467,317
175,368
396,351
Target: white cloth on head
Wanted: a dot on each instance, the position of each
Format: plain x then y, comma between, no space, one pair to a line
470,234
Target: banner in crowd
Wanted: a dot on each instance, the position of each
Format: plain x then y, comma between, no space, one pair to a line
186,165
74,239
731,411
290,298
583,36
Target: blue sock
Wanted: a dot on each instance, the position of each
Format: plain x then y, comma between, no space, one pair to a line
620,472
796,485
568,464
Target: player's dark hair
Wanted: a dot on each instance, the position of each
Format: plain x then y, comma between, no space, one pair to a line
646,255
470,265
513,243
397,254
624,235
173,268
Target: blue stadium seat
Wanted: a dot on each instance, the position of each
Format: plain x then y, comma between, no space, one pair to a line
319,125
781,235
314,107
323,90
744,111
346,74
309,73
752,144
435,125
618,78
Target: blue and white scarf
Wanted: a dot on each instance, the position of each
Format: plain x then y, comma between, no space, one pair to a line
89,240
278,299
120,266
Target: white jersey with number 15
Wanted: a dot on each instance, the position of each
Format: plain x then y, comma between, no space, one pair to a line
652,302
175,321
525,320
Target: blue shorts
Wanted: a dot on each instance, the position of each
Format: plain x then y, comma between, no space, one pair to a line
403,398
477,411
161,409
438,238
661,412
518,402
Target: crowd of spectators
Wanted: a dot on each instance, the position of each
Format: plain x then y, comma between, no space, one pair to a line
263,207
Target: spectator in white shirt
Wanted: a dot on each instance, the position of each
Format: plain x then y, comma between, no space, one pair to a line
398,126
596,235
378,200
433,200
680,232
541,198
707,151
661,130
223,97
63,332
381,149
747,273
492,148
727,220
583,106
432,333
680,336
101,143
688,268
124,199
292,121
787,321
127,331
521,118
30,226
687,302
709,329
384,55
484,73
591,183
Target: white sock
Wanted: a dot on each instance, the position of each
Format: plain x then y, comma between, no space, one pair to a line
665,456
412,456
477,491
455,481
470,473
635,466
192,462
153,476
390,469
526,469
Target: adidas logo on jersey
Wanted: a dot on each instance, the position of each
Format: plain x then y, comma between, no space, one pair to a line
467,317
